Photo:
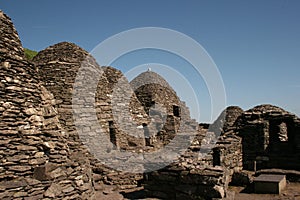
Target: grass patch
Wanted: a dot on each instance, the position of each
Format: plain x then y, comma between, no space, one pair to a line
30,53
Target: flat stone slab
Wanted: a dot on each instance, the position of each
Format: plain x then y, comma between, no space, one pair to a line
269,183
269,177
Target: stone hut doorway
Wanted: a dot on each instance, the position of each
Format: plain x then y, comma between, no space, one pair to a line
112,133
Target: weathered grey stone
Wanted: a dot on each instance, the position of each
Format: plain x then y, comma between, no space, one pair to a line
53,191
272,132
20,194
40,147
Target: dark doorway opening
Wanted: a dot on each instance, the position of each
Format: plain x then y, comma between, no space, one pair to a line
146,134
112,133
176,111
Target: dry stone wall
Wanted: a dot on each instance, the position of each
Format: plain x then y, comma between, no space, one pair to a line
35,159
58,66
270,137
126,111
43,156
10,44
161,103
186,182
226,121
228,153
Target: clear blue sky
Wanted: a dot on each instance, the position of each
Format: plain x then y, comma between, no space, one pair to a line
255,43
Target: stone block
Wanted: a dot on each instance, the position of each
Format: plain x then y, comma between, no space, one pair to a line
269,183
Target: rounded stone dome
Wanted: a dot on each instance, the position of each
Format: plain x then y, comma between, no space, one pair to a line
263,112
58,66
226,120
266,108
61,52
149,77
10,44
150,88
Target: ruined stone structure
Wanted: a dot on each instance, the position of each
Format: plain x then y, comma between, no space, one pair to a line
270,137
226,120
192,176
264,137
182,182
205,169
43,119
228,149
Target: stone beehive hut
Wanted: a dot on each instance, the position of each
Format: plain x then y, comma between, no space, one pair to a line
126,112
42,156
58,66
10,43
35,159
270,136
152,89
226,121
161,103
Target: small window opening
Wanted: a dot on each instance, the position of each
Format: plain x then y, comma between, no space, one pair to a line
152,103
216,157
146,134
283,132
176,111
112,133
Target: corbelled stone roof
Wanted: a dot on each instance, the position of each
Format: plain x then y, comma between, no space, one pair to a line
227,119
149,77
58,66
266,108
10,44
150,87
232,113
116,78
263,112
61,52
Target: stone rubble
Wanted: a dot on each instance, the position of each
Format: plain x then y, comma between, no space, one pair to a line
64,121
